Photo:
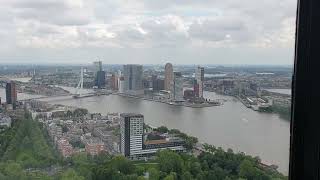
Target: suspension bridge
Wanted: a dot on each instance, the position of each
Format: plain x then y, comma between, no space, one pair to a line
79,92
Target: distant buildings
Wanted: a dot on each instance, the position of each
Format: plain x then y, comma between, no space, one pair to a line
132,143
157,84
97,66
11,94
177,86
198,83
114,82
94,146
168,77
188,94
100,75
121,85
65,147
100,81
133,75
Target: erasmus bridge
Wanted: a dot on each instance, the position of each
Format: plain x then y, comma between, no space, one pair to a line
78,93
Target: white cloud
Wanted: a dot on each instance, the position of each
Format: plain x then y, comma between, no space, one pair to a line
125,24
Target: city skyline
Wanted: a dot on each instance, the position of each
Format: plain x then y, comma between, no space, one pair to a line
144,32
154,89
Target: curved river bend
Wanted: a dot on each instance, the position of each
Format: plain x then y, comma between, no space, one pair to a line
231,125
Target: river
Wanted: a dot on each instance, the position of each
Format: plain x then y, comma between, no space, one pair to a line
280,91
231,125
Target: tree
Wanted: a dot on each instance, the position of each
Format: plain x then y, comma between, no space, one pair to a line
65,129
162,129
195,168
171,176
154,174
169,161
122,164
80,112
140,170
70,174
186,176
247,170
13,170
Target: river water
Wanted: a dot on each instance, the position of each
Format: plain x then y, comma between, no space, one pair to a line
231,125
281,91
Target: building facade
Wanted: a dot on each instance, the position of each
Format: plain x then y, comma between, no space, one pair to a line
177,86
94,147
133,75
131,134
11,93
65,147
132,143
121,85
114,82
157,84
199,77
168,77
100,81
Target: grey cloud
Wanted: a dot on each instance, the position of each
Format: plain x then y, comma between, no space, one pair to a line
156,25
39,4
57,12
219,30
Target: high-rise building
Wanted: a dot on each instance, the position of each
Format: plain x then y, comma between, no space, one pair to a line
121,85
131,134
11,93
168,77
100,75
114,82
199,77
134,145
177,86
97,66
157,84
100,81
133,75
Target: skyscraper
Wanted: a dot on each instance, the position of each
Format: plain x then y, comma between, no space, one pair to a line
133,75
132,143
97,66
100,79
121,85
114,82
100,75
11,93
131,134
199,77
177,86
168,77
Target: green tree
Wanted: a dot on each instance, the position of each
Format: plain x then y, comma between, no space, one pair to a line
140,170
162,129
171,176
247,170
169,161
70,174
186,176
154,174
122,164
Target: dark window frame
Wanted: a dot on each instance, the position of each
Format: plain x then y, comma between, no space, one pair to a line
305,109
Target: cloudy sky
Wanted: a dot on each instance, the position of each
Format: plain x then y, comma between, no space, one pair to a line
147,31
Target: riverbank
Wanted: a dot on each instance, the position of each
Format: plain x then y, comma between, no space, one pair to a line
185,104
229,126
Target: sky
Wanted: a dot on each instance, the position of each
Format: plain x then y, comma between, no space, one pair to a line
148,31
